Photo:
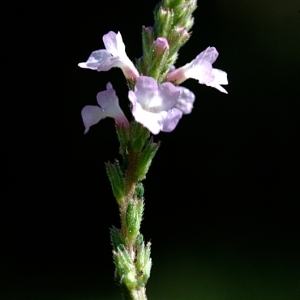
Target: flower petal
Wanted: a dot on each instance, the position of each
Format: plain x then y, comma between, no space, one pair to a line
169,95
153,97
114,44
154,105
145,90
186,100
150,120
109,103
113,56
201,69
95,60
210,54
220,76
91,115
170,121
112,62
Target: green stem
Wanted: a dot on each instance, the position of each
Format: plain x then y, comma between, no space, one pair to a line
129,189
130,182
138,293
134,295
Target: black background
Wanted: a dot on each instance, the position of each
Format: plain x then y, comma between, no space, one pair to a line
222,195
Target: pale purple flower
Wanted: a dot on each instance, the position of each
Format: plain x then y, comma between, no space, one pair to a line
113,56
159,107
108,107
201,69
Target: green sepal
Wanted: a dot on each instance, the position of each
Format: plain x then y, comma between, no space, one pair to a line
163,18
134,215
139,135
126,241
167,3
123,136
175,4
116,238
172,4
147,40
183,13
131,83
125,268
145,159
143,264
189,24
139,240
172,57
116,179
177,39
159,64
139,190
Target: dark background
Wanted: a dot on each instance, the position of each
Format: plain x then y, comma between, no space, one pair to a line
222,195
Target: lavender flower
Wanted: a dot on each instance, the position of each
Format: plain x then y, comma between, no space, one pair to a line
159,107
108,107
113,56
201,69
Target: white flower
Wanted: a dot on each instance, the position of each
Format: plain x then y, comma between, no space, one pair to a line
113,56
201,69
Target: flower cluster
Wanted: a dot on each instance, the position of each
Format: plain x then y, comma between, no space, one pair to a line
156,107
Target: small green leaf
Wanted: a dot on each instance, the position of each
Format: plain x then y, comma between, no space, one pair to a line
139,190
139,240
145,159
123,136
147,40
134,216
116,179
163,21
125,268
139,136
116,238
143,264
